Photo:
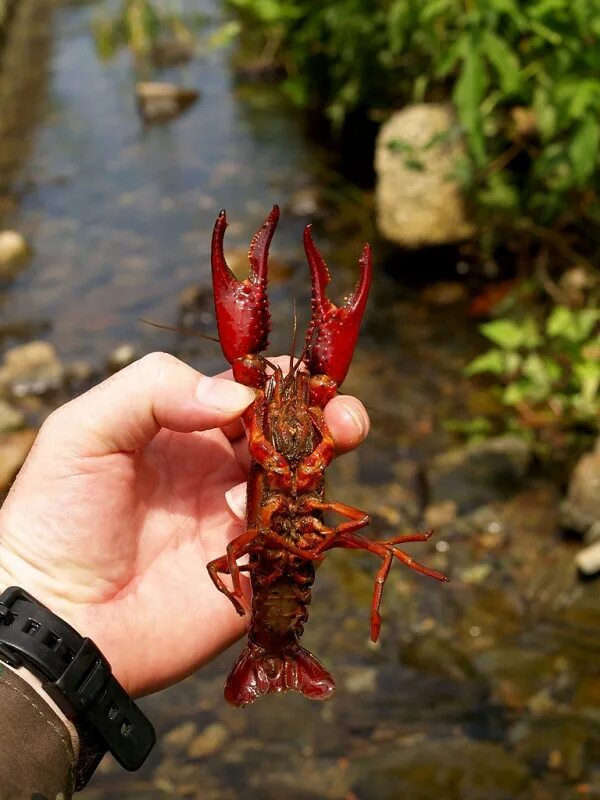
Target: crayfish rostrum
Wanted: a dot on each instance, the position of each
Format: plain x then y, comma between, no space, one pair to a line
291,448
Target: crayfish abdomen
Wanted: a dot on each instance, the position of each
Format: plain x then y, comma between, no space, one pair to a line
291,448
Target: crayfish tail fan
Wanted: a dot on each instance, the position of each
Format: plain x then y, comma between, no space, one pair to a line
257,672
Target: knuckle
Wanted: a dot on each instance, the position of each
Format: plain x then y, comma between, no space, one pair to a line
155,365
157,360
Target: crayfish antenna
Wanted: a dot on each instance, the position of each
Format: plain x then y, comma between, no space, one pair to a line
333,330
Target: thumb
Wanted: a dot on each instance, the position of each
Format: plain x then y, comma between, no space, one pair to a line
126,411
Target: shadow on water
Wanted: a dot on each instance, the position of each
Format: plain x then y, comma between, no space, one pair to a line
480,689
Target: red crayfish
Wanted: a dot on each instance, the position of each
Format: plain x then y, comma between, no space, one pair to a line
290,447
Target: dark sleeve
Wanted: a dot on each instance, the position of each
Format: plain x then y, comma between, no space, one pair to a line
36,752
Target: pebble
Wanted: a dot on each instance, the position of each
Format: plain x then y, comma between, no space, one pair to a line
161,101
474,574
11,419
13,452
180,737
588,559
439,514
80,371
121,356
361,679
13,248
209,741
32,368
304,202
593,533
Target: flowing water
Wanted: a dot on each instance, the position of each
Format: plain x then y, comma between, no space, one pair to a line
483,689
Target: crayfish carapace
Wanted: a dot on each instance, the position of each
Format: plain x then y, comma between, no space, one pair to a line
291,448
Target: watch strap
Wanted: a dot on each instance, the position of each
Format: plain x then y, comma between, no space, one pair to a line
75,674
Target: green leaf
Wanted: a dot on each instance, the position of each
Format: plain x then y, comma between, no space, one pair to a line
588,377
583,150
493,361
468,94
503,332
542,374
585,322
435,8
512,361
559,321
516,392
530,334
504,61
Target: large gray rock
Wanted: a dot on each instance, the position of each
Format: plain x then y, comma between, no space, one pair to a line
419,202
581,508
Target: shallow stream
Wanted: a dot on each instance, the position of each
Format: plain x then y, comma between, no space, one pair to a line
484,689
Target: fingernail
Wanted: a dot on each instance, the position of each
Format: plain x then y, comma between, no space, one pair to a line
359,420
236,500
223,395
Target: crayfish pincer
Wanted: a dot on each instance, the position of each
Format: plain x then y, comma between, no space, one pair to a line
291,448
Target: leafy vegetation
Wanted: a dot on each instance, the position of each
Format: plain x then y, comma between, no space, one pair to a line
545,368
524,78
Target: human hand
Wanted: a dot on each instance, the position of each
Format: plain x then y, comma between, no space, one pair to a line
122,503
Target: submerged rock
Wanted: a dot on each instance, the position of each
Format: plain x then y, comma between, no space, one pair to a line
479,473
121,356
419,201
32,368
13,452
162,101
453,768
208,741
581,508
588,560
13,249
11,419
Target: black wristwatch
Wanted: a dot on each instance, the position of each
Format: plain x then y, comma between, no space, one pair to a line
79,679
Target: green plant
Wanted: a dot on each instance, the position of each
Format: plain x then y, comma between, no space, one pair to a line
547,371
524,78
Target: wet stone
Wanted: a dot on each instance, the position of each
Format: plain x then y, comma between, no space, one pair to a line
588,560
179,738
208,741
79,372
121,357
552,743
32,368
440,514
13,452
581,508
11,419
479,473
360,679
13,251
452,769
162,101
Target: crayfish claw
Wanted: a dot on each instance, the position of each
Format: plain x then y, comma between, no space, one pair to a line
242,307
333,330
